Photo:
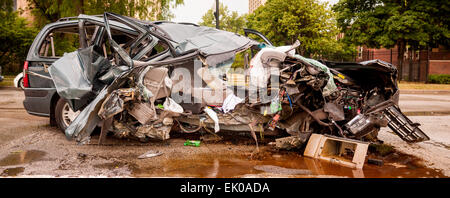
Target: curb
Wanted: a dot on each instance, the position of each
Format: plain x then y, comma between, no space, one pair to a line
9,88
423,91
426,113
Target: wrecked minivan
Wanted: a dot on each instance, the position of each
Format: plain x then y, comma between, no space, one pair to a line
148,79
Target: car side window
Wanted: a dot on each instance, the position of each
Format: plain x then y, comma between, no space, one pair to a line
59,41
126,41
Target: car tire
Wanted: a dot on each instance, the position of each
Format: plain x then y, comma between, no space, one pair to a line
64,115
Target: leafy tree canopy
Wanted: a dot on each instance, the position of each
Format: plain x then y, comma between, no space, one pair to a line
15,38
229,21
311,22
47,11
389,23
386,23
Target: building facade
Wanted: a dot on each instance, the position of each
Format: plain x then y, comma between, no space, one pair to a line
254,4
24,11
417,64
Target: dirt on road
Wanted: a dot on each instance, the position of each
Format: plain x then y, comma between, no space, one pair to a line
436,151
29,147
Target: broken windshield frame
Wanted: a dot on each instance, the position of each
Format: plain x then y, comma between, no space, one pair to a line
259,34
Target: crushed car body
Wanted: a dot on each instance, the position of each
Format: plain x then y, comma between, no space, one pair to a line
159,77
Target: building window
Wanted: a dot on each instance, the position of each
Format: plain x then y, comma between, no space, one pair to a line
360,52
405,55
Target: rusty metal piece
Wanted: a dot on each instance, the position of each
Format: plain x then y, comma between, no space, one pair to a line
320,114
252,132
144,112
161,132
313,116
127,94
336,112
292,142
115,102
120,129
105,128
292,90
293,123
154,80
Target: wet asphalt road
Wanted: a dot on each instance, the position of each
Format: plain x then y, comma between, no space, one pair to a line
29,147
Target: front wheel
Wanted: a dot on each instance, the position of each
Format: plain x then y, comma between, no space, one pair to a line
64,115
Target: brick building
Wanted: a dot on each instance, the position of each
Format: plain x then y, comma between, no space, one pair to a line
254,4
417,64
22,7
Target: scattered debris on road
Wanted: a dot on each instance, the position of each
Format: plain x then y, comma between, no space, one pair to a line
150,154
194,143
375,162
346,152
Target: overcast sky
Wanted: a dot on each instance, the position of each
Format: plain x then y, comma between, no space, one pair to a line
193,10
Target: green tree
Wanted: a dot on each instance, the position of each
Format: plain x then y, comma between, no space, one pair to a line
46,11
389,23
15,38
309,21
229,21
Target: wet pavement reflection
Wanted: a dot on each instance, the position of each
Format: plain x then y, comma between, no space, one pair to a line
279,165
19,158
263,164
12,171
22,157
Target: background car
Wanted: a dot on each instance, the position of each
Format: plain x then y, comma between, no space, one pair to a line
1,77
18,81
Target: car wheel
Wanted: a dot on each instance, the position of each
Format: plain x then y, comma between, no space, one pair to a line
21,84
64,115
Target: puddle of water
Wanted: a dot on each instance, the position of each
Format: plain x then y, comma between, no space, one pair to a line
278,165
281,170
12,171
22,157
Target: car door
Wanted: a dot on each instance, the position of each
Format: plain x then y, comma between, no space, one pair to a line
48,46
51,44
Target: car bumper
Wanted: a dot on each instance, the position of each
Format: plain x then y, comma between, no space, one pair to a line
38,101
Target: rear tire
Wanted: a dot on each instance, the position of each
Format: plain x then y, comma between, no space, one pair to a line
64,115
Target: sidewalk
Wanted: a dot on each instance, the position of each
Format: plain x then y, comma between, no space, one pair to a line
423,91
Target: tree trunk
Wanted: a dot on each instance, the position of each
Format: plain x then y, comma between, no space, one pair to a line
411,65
80,8
401,46
428,63
2,58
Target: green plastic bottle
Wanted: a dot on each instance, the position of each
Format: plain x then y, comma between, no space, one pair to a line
195,143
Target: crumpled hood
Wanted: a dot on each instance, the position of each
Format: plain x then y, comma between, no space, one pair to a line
208,41
215,45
